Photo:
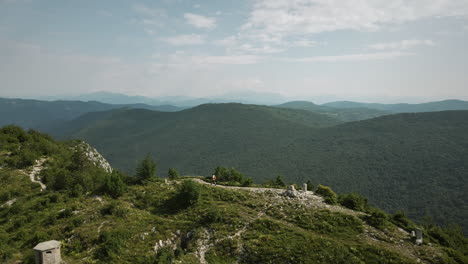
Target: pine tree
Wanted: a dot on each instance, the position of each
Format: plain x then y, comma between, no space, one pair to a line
146,170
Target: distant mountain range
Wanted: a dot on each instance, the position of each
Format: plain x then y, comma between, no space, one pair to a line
41,114
343,114
361,110
180,101
404,108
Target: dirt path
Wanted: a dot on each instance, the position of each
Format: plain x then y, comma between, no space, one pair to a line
37,168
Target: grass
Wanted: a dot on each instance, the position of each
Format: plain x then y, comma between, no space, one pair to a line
126,230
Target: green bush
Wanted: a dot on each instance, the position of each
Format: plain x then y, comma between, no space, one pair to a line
327,193
5,196
213,215
247,182
66,213
189,194
377,218
146,170
354,201
114,208
172,174
111,243
400,219
114,185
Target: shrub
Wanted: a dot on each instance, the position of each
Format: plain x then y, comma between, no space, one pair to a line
400,219
354,201
189,193
377,218
172,174
213,215
114,208
5,196
67,212
114,185
111,244
328,194
247,182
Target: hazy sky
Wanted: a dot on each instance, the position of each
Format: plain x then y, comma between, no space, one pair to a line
367,50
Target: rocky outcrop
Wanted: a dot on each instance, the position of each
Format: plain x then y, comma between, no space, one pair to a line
291,192
94,156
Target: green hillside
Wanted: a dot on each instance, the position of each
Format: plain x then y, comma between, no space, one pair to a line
41,114
414,162
344,114
187,220
205,135
405,108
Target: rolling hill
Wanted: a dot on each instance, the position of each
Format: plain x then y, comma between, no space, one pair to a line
414,162
405,108
344,114
39,114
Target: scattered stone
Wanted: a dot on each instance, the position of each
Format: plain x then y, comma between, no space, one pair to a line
304,187
291,192
9,203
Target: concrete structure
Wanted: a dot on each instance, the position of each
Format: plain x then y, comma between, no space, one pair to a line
304,187
48,252
419,238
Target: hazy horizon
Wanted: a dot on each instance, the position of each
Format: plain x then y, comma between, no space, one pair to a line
311,50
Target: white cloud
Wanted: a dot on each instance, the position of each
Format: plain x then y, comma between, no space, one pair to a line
281,18
200,21
304,43
228,41
402,45
150,17
227,60
181,40
352,57
180,60
149,12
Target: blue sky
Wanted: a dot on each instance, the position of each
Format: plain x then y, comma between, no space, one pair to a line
319,50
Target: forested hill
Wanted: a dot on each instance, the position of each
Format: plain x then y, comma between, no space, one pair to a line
415,162
41,114
405,108
344,114
204,135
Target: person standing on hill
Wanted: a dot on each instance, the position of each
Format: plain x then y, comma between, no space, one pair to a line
214,179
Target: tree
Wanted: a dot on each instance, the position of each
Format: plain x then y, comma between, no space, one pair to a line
279,181
146,169
189,194
114,185
172,174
